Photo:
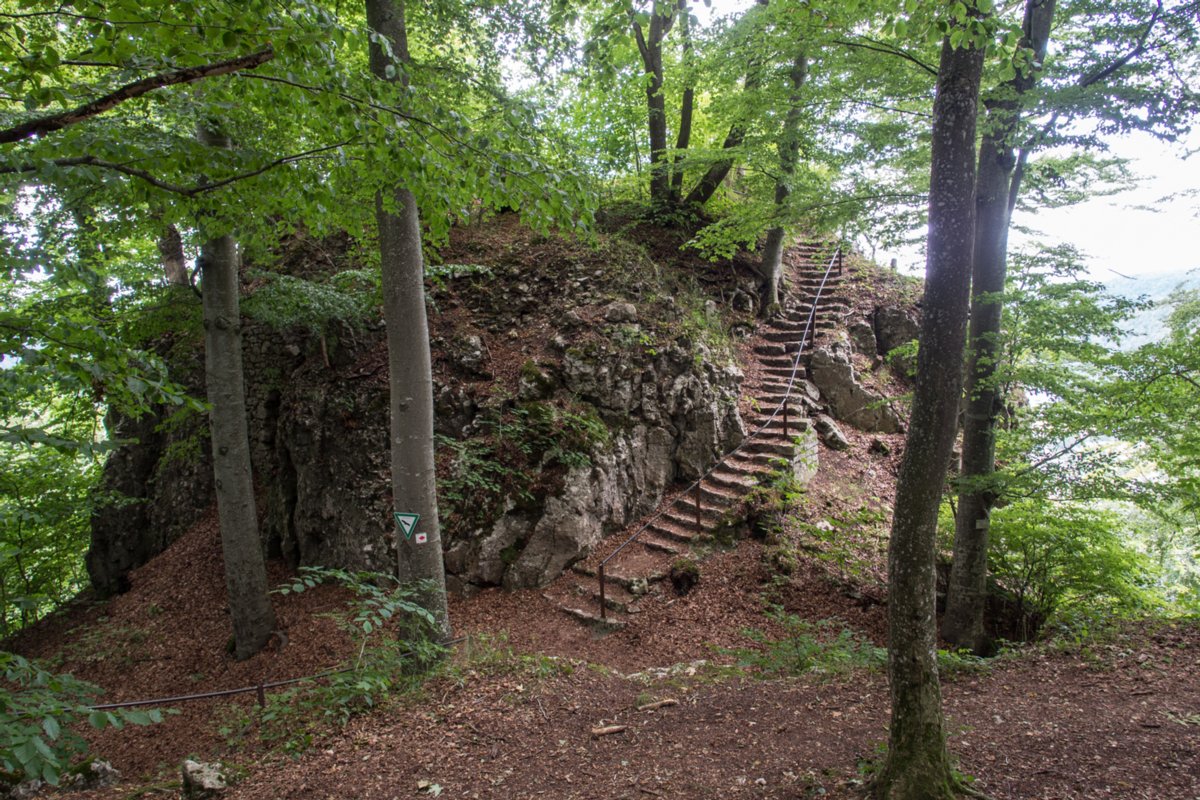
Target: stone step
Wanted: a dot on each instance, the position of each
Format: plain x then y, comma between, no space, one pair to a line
735,479
684,514
769,428
655,540
776,349
783,362
798,320
784,375
753,463
593,619
777,448
718,494
667,530
793,337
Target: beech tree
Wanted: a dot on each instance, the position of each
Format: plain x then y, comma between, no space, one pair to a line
962,623
789,152
410,373
241,546
917,764
1124,67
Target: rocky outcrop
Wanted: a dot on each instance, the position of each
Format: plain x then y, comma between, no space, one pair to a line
895,327
669,417
830,369
319,441
160,482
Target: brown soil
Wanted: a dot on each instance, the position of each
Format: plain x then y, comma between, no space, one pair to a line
518,712
1117,719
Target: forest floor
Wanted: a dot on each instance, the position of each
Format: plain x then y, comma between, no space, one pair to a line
533,704
515,712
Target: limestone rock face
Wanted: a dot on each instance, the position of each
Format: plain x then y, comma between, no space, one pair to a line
862,338
319,442
830,369
669,417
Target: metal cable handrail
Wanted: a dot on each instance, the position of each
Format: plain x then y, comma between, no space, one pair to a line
835,259
258,687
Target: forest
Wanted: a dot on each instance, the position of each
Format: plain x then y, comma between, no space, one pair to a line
390,188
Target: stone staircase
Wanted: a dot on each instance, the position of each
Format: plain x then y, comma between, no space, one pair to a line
686,522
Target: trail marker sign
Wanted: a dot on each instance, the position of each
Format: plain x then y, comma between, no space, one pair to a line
406,521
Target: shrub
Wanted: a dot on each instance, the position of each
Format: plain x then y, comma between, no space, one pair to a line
808,647
397,646
1066,560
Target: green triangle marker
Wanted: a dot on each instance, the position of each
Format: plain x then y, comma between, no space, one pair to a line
406,521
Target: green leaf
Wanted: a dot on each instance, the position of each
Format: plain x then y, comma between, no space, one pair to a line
51,727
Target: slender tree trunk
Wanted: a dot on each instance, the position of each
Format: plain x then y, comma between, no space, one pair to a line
650,46
410,372
967,592
688,105
917,764
710,181
245,570
789,153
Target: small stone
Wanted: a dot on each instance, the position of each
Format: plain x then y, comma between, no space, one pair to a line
880,447
202,780
621,312
831,434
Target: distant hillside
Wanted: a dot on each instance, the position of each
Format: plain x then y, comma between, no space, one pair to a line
1151,324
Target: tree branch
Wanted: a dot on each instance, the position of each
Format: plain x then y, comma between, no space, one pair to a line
167,186
1136,51
54,122
639,36
880,47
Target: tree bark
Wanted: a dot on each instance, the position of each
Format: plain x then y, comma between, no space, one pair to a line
917,763
789,153
966,597
650,47
170,250
410,372
687,107
709,182
245,569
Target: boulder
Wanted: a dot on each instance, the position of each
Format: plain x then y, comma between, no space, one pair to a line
621,312
862,339
895,327
831,434
830,369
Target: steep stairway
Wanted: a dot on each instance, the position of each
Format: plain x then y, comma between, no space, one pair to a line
688,520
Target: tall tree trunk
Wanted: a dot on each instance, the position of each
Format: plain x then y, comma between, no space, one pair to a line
789,153
966,597
650,46
688,105
245,570
410,371
917,764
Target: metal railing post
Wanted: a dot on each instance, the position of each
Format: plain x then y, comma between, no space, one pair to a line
698,528
785,418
